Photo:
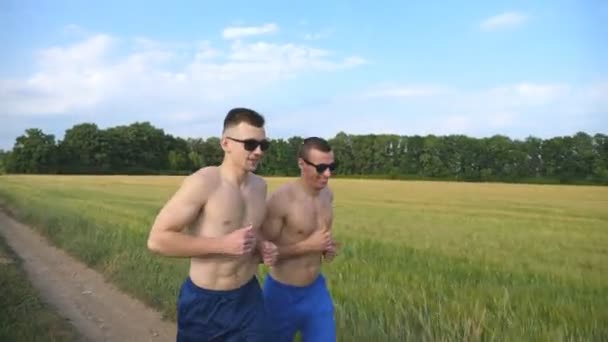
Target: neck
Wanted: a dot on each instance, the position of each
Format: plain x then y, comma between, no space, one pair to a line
308,188
232,173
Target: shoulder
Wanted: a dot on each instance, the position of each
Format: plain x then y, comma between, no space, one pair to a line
281,196
257,181
285,192
203,180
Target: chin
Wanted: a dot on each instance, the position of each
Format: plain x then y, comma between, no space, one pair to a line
249,166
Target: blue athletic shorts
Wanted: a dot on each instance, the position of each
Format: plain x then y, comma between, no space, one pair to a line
213,315
307,309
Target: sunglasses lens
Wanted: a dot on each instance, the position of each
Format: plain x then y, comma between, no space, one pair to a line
322,167
251,145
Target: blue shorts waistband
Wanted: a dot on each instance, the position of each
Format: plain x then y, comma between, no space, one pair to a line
318,280
229,293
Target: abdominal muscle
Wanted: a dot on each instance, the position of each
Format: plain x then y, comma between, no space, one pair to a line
297,271
222,272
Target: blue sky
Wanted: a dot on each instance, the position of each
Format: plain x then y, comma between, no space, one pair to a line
517,68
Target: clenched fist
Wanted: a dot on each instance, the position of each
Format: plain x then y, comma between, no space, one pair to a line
331,251
320,240
240,241
270,252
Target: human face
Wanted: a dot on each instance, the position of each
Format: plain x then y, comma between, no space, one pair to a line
317,168
245,145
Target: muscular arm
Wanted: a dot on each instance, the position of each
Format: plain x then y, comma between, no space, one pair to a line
296,249
166,235
259,234
330,252
273,221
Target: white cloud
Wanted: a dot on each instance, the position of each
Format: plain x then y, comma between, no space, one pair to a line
95,72
354,61
68,78
528,94
503,21
186,87
87,53
517,110
236,32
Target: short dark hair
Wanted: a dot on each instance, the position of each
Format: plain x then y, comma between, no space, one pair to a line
237,115
313,143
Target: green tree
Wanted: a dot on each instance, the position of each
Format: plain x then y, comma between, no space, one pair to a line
143,148
4,156
343,153
84,149
33,152
599,165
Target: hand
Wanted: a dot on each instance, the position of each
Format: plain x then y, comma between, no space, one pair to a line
239,242
270,253
320,240
331,251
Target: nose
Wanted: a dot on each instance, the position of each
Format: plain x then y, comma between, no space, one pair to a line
327,173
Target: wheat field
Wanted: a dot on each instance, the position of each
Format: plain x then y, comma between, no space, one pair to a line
423,261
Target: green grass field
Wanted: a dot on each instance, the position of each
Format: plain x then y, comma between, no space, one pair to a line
420,260
23,316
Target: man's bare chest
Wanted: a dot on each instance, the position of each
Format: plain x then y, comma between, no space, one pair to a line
231,208
305,217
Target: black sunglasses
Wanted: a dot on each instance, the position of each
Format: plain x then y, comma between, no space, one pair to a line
252,144
321,167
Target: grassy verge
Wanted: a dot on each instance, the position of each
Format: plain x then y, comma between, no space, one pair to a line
23,316
421,261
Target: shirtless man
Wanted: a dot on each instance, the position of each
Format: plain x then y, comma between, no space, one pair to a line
298,220
221,209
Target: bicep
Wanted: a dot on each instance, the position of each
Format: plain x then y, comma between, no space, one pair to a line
273,222
271,229
182,208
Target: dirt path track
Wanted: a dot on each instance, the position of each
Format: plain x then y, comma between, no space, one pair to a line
97,309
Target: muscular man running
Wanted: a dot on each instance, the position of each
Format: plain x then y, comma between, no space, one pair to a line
298,219
221,208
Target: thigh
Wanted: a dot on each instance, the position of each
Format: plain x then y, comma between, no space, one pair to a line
319,324
255,322
320,328
201,317
280,312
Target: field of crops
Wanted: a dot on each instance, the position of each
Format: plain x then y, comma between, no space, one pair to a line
420,260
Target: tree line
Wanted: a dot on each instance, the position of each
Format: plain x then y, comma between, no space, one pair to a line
141,148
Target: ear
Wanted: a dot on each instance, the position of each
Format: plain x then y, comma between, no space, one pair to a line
224,144
300,163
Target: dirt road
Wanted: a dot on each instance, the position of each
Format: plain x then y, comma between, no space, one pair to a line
97,309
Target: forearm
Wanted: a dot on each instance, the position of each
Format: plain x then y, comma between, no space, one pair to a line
259,248
295,249
176,244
